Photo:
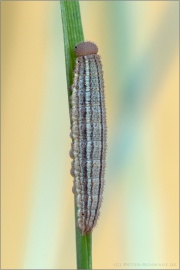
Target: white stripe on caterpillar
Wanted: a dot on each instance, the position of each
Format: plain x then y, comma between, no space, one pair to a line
88,133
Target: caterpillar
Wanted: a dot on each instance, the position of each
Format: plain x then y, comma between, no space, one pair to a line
88,133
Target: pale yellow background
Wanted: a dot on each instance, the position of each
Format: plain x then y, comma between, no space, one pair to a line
138,42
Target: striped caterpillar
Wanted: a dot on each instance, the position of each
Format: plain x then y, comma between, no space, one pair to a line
88,133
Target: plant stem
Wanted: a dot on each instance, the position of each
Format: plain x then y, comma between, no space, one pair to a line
73,34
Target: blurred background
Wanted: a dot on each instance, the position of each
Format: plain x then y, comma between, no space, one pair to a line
138,227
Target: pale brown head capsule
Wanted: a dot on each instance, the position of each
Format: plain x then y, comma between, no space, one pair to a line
86,48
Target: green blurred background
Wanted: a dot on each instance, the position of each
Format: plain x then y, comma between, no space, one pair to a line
138,43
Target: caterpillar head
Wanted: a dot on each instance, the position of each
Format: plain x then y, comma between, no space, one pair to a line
85,48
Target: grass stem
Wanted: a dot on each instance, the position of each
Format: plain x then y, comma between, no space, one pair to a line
73,34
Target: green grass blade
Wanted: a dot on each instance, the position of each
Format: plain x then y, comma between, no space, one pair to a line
73,34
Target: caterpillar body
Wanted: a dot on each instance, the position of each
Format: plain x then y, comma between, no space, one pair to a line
88,133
